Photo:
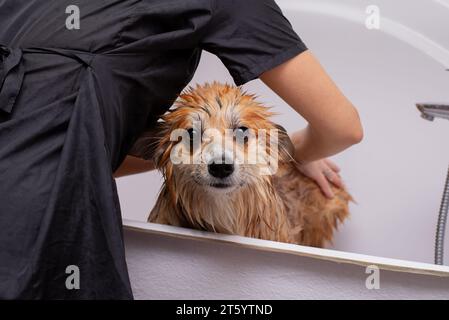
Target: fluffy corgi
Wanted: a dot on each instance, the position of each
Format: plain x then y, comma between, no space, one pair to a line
224,181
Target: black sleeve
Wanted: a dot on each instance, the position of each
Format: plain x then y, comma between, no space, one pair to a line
250,37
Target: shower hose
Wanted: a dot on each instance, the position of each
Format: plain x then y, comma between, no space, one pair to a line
441,226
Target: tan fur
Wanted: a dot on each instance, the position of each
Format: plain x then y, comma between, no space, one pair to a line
285,207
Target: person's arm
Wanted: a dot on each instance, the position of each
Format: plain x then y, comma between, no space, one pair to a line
334,123
133,165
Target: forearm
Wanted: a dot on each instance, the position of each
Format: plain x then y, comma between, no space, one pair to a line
334,124
310,145
133,165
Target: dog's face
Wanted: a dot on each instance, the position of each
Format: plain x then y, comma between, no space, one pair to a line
218,139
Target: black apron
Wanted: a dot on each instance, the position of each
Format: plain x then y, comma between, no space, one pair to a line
72,104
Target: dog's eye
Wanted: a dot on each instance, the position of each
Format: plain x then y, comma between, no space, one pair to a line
192,133
241,134
195,137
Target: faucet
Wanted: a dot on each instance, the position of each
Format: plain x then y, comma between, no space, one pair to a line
430,112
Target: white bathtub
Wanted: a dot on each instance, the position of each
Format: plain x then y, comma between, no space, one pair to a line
397,173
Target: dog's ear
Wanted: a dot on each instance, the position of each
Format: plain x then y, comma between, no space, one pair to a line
286,147
147,145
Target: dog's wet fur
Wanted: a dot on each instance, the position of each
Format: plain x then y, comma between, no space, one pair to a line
236,198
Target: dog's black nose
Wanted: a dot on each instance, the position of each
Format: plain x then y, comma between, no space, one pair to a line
220,170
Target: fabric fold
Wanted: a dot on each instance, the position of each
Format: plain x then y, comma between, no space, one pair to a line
11,76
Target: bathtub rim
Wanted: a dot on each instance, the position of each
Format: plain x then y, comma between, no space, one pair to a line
410,35
336,256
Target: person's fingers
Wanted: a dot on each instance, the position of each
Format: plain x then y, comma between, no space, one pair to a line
334,178
332,165
324,185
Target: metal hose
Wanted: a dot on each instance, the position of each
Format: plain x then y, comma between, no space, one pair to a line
441,226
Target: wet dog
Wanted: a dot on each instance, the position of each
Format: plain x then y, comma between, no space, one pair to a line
228,168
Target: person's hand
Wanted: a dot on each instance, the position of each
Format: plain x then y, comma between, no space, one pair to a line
133,165
324,173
